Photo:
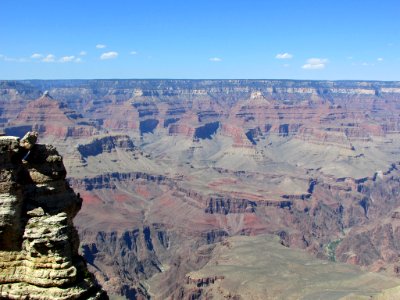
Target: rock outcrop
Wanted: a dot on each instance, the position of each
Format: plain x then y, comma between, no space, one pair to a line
38,243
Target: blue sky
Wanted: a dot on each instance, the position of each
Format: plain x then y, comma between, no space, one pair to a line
298,39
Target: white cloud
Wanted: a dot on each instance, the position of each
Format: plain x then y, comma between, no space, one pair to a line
49,58
100,46
67,58
133,53
109,55
215,59
315,64
82,53
284,56
380,59
36,55
78,60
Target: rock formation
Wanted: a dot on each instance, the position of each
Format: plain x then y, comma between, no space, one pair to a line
38,243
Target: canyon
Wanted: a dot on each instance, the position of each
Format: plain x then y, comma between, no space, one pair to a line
183,179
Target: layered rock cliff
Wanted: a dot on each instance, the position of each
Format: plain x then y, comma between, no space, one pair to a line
38,243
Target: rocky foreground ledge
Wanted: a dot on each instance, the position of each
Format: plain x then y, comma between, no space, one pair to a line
38,243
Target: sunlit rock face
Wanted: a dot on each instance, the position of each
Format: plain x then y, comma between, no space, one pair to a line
38,242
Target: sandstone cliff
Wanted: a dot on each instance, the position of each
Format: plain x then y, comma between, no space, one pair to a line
38,243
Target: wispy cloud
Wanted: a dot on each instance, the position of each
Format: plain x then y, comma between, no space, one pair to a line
215,59
49,58
366,64
315,64
380,59
13,59
284,56
82,53
133,53
65,59
36,55
100,46
109,55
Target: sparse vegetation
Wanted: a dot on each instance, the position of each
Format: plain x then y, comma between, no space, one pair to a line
331,249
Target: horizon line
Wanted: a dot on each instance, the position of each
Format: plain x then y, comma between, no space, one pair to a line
203,79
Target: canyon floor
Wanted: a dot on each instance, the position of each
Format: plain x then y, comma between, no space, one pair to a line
260,267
